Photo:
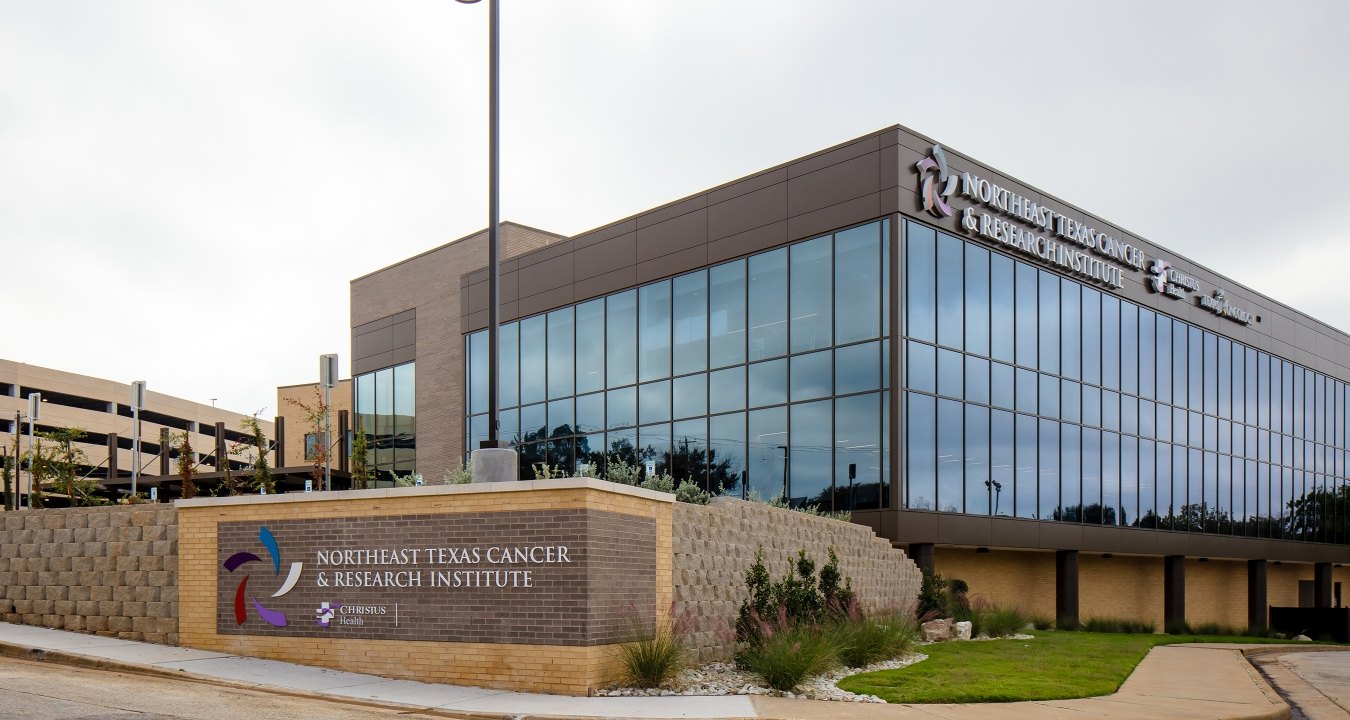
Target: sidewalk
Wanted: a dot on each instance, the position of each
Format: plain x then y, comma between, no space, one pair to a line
1177,682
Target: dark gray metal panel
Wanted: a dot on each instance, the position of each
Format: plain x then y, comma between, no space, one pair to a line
1100,538
834,156
1257,604
545,276
549,300
673,264
609,282
1015,533
916,527
546,254
1060,536
750,241
748,211
405,333
604,233
747,185
374,362
833,217
833,185
673,210
606,256
372,343
965,530
673,235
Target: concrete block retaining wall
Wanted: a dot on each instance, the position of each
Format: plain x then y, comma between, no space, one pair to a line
715,544
114,570
106,570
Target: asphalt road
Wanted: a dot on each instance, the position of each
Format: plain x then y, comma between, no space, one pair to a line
47,691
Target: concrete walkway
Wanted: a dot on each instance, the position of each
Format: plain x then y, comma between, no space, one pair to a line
1177,682
1317,684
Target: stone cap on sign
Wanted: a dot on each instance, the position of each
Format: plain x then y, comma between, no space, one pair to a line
425,490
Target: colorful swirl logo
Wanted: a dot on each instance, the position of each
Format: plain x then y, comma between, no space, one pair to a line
934,168
235,561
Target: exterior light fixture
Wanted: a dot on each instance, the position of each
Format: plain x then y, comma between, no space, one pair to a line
1204,560
1107,556
981,551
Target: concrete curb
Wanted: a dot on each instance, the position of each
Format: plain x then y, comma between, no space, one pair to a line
62,657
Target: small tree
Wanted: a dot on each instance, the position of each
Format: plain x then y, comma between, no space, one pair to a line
186,471
257,450
315,413
360,460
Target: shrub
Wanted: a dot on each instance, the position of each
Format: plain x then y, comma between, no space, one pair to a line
659,483
866,641
690,493
461,474
788,654
932,596
617,470
1115,625
655,655
1042,622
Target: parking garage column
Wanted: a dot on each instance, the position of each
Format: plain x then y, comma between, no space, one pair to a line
1174,591
112,457
1256,594
1066,589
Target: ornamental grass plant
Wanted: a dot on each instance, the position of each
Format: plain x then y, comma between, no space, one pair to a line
656,654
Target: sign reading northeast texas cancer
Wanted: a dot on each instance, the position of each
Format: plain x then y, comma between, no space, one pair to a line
520,577
1035,229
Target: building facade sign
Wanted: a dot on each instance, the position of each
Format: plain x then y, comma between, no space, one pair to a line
1035,229
1218,305
516,577
1167,280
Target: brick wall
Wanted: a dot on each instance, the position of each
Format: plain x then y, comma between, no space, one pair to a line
714,545
536,664
108,570
1125,587
1025,580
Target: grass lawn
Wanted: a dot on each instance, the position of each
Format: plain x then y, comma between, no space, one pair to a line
1053,666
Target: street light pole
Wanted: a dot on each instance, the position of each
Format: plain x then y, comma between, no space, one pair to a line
34,412
494,205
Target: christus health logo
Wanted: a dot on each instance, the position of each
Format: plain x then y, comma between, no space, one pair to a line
274,618
1157,275
936,183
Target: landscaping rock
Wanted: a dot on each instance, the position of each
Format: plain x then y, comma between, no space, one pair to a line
937,630
961,630
1302,638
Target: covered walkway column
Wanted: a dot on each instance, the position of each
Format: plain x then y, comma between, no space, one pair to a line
1174,592
1066,589
1256,594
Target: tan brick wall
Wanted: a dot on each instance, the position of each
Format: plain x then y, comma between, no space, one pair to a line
1024,580
714,546
1122,587
1216,592
107,570
546,668
430,283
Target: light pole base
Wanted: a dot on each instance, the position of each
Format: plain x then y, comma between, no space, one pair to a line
495,465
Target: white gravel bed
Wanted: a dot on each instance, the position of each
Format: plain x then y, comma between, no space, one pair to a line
727,679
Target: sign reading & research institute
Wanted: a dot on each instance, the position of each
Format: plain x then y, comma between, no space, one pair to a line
514,577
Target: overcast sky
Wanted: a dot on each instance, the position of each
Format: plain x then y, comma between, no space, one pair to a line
186,188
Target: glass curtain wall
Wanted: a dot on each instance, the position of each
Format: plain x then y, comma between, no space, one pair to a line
764,377
1030,395
386,411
